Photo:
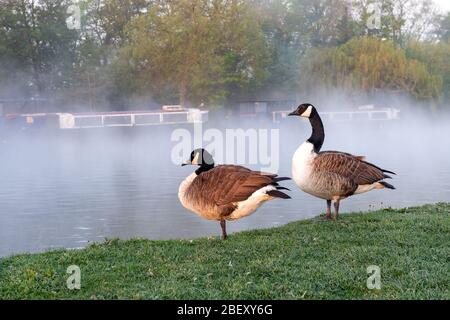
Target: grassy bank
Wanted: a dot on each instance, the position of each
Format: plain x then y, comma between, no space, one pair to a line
302,260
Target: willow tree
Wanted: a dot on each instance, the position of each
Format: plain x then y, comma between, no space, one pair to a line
199,49
368,65
436,57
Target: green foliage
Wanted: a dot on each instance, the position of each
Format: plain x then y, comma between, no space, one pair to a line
443,29
202,50
291,27
193,51
36,46
309,259
106,20
436,58
368,64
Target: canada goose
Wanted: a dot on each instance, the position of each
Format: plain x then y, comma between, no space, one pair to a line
331,175
226,192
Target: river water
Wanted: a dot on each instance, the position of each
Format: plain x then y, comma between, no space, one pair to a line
71,188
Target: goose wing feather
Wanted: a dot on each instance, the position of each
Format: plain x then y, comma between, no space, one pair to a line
348,166
227,184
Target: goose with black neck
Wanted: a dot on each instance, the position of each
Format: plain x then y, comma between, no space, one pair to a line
332,175
226,192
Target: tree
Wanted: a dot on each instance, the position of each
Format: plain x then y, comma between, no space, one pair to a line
293,26
36,43
369,64
400,20
436,58
192,51
443,28
199,50
106,20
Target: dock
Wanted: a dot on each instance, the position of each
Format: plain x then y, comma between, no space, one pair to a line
358,115
67,121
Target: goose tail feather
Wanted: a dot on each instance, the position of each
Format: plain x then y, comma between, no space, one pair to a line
387,185
283,188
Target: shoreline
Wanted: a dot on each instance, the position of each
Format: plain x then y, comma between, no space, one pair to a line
307,259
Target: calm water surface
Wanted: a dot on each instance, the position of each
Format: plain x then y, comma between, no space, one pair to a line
68,189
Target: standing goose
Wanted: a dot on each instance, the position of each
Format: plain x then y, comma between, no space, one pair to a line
331,175
226,192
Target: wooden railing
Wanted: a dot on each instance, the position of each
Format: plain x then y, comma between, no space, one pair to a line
375,115
131,119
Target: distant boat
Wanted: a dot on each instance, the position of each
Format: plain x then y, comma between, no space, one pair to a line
103,119
365,112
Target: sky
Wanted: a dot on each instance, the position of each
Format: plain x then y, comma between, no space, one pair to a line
443,4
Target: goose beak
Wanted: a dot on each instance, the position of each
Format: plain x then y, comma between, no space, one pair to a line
293,113
185,164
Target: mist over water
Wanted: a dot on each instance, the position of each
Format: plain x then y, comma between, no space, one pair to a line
70,188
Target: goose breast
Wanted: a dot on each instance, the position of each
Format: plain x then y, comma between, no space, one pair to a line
302,166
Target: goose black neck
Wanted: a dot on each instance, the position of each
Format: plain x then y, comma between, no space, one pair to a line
318,132
204,167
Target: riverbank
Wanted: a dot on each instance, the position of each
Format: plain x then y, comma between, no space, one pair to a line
308,259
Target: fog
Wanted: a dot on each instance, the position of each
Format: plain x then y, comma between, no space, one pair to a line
68,188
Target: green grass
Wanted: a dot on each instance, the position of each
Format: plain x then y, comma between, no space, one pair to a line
302,260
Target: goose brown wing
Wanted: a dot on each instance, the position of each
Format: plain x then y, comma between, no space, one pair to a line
349,166
227,184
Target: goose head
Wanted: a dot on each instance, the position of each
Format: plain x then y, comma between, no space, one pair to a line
202,158
305,110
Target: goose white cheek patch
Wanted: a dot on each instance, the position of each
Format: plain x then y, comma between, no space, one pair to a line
195,161
307,112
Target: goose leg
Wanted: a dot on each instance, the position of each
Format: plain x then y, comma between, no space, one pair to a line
336,209
224,229
328,216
